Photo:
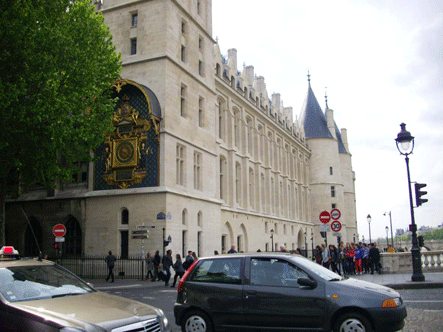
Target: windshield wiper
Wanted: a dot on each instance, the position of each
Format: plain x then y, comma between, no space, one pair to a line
336,279
66,294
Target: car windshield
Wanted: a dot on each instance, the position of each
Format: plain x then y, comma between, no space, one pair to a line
37,282
317,269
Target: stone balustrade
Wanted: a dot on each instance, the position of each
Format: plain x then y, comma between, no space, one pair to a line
401,262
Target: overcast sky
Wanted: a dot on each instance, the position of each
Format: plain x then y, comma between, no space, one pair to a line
382,64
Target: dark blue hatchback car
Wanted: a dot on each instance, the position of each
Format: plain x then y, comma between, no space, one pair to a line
277,291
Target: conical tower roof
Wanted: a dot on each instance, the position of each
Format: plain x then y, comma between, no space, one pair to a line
313,119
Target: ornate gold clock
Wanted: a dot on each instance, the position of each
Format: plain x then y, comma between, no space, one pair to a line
125,146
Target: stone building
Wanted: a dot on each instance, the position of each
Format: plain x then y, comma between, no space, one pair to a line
201,154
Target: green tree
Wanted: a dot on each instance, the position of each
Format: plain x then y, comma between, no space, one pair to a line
57,64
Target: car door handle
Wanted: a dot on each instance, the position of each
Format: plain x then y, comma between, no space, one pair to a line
251,292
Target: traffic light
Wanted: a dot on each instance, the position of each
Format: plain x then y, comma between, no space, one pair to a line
421,241
55,245
165,243
418,194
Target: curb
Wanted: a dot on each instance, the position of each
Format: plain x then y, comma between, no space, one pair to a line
415,285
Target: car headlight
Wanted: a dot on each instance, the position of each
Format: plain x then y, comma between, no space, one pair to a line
162,317
392,303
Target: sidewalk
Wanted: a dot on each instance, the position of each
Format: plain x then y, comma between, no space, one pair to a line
395,281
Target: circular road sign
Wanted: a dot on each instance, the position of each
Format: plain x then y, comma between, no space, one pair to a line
336,226
335,214
325,217
59,230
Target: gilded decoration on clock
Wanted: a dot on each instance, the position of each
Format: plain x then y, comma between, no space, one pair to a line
125,147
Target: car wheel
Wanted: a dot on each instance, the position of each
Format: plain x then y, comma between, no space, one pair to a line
352,322
196,321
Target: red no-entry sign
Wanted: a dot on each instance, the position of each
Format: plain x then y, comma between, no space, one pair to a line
325,217
59,230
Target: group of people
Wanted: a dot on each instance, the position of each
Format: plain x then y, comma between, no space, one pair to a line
355,258
160,268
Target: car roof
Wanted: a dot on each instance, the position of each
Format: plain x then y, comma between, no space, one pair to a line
256,254
24,262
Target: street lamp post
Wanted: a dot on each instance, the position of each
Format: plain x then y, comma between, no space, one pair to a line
306,247
405,145
363,238
272,239
387,243
368,218
390,222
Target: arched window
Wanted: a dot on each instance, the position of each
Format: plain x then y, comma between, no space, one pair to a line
251,188
238,183
185,217
200,219
73,238
223,178
125,217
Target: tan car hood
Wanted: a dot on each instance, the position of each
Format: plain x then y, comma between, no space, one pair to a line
96,308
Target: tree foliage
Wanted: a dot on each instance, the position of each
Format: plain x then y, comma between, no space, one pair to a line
57,63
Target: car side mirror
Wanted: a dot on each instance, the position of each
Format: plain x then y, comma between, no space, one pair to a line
307,282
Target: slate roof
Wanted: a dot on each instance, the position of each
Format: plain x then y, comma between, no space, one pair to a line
341,146
313,119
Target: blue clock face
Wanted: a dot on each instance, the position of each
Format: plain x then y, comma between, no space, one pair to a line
125,152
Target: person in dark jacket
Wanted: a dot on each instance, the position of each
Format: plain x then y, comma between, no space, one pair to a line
156,264
167,264
110,261
333,252
178,268
374,258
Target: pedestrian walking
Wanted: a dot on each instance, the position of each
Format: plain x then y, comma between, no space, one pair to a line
156,264
374,258
349,259
149,266
318,255
189,260
178,268
167,264
365,259
110,261
334,258
358,255
325,256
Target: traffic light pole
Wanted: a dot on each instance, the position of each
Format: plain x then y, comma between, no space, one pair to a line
417,274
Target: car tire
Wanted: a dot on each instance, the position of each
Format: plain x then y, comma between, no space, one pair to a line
352,322
196,321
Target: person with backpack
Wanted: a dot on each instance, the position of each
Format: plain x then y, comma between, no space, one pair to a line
178,268
189,260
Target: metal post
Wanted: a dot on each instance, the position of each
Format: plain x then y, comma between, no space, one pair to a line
417,274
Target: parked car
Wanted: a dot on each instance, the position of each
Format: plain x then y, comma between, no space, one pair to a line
39,295
280,291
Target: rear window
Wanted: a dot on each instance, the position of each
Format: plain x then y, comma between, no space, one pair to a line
225,271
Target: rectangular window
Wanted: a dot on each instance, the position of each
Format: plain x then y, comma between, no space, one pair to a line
200,111
183,27
332,191
334,206
200,43
180,165
134,19
330,171
200,68
183,53
182,100
197,170
133,46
